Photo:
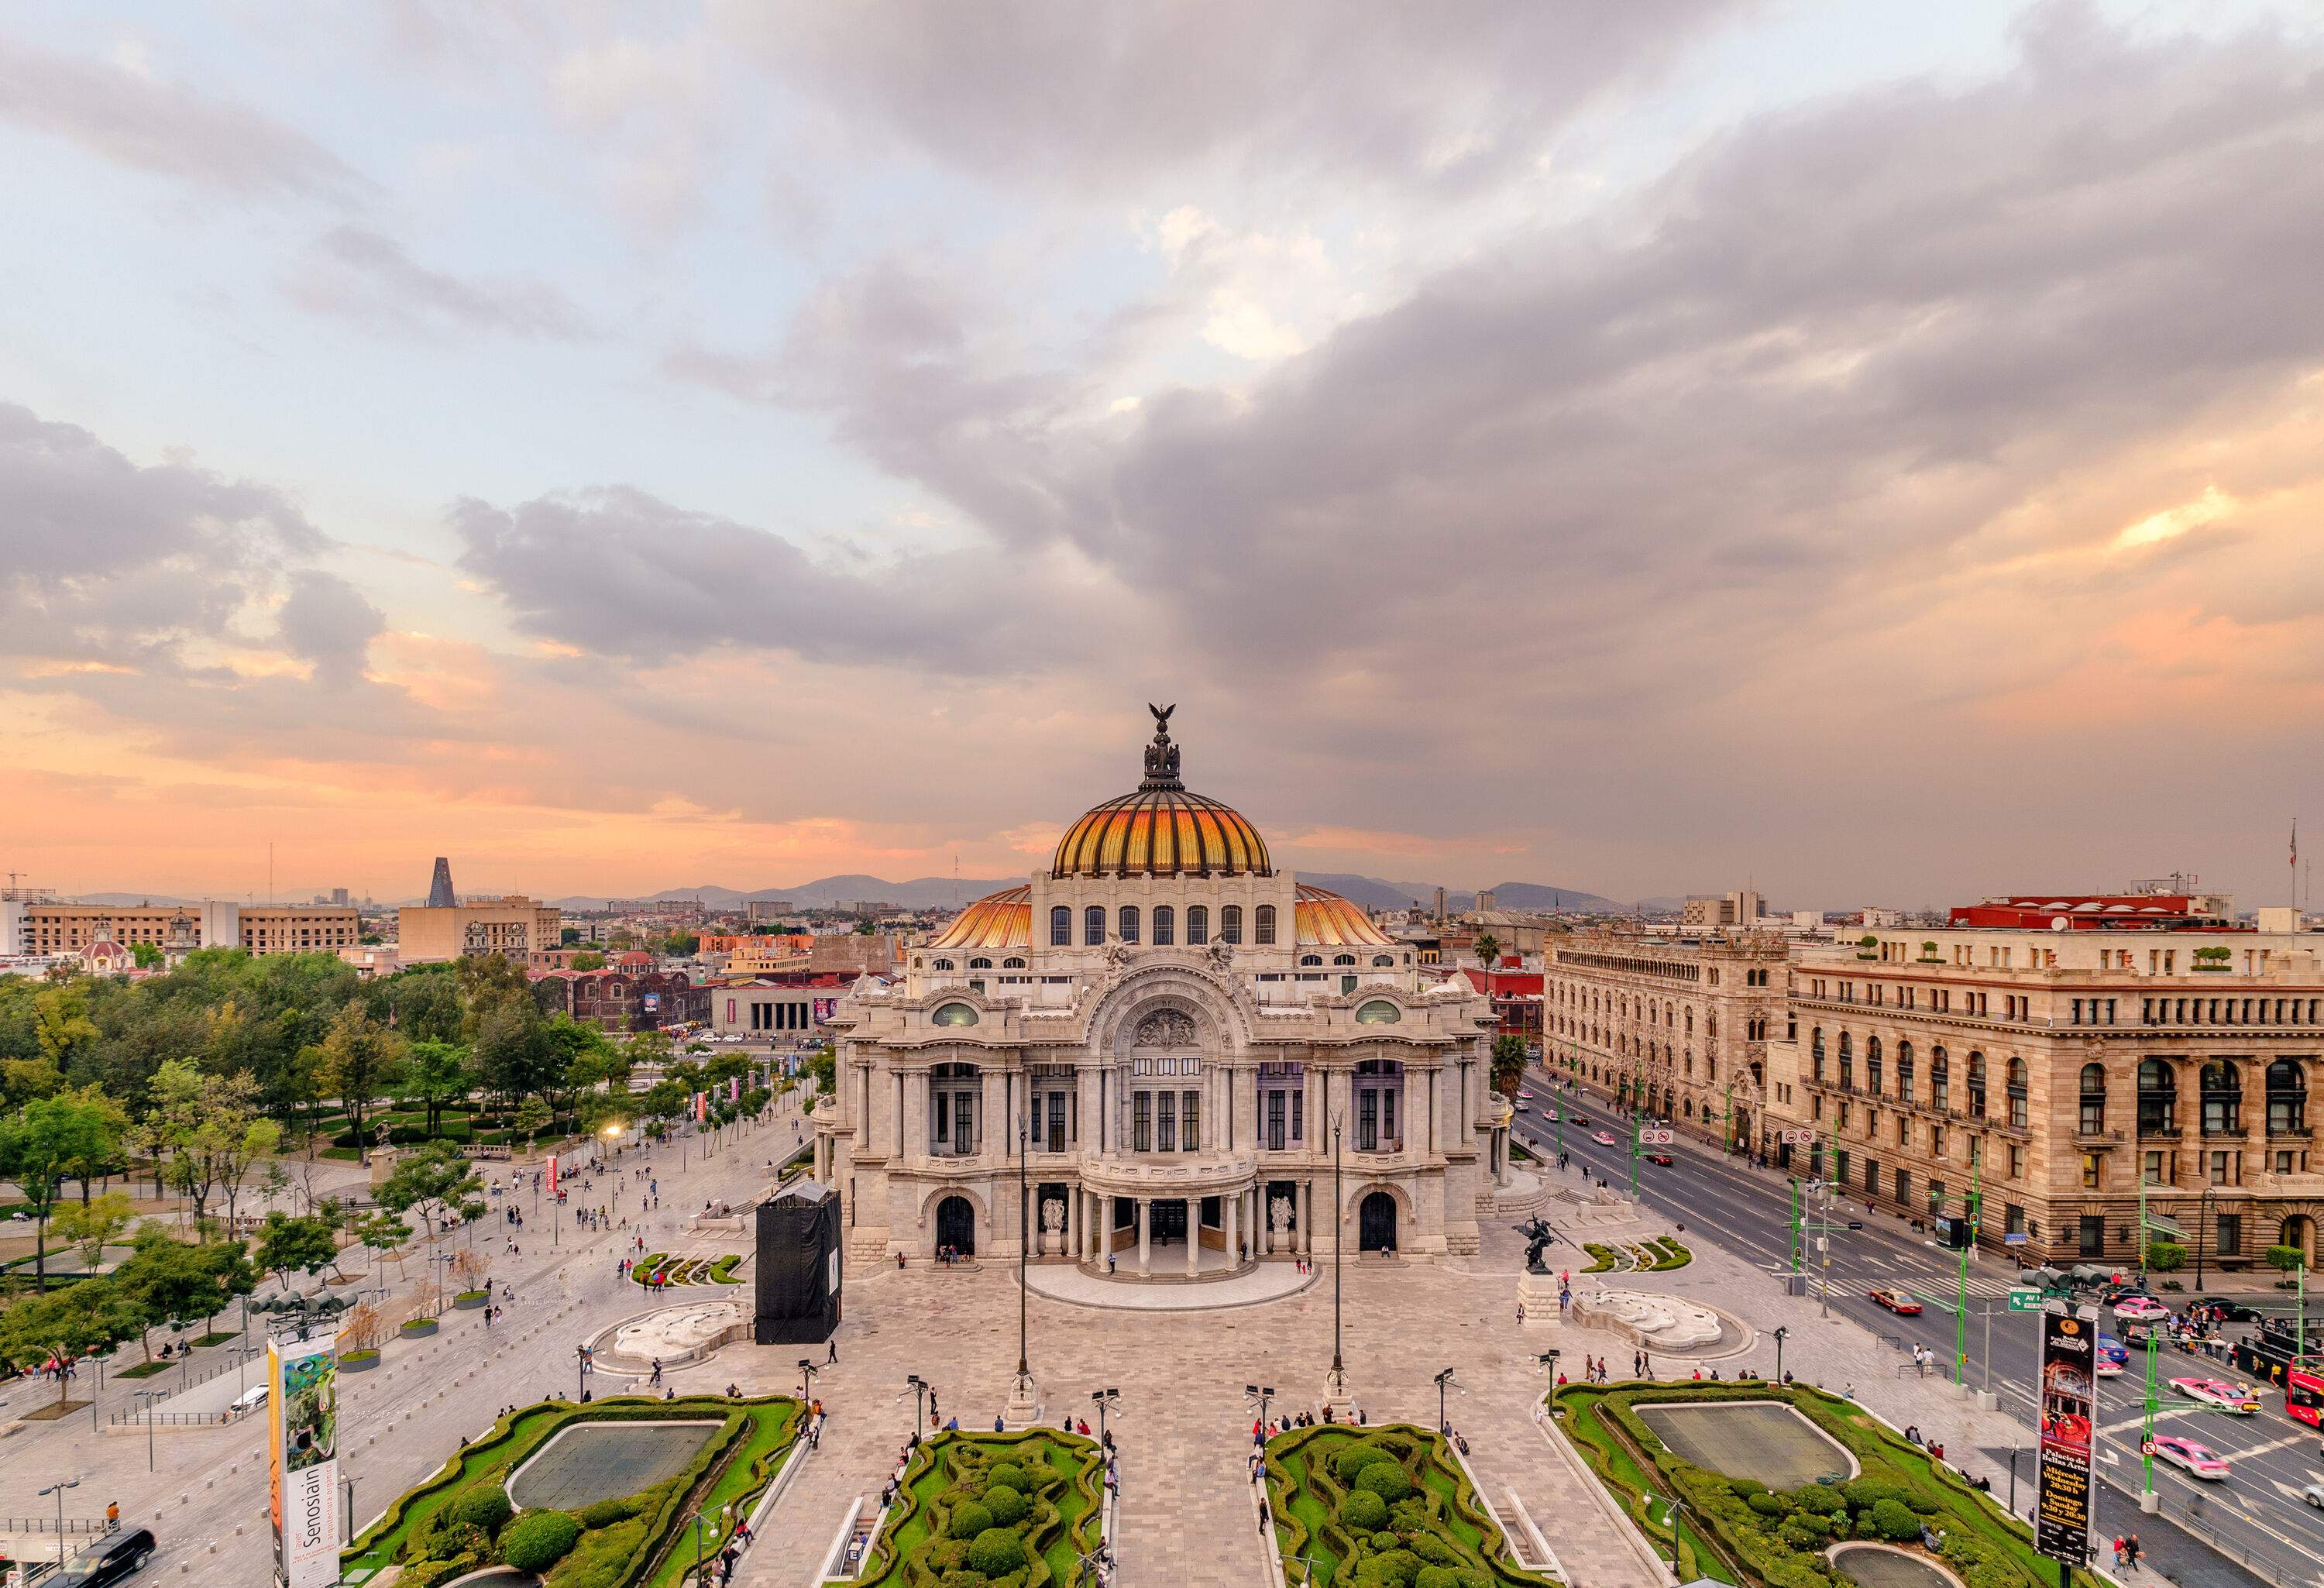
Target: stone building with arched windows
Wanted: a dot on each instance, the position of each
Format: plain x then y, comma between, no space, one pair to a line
1170,1032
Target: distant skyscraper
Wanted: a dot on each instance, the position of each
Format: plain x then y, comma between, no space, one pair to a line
439,890
339,896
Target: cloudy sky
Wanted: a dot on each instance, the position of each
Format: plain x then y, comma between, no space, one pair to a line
1873,451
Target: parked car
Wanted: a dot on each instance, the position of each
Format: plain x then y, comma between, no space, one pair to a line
111,1559
2233,1312
249,1400
2219,1394
1897,1302
2196,1460
2142,1307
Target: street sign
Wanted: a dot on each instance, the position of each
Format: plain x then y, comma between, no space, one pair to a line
2017,1239
1799,1138
1656,1137
2024,1300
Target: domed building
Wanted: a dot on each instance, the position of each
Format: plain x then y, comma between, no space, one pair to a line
1170,1030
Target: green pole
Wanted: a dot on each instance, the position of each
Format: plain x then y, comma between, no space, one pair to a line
1798,1250
1727,1119
1960,1317
2146,1443
2141,1220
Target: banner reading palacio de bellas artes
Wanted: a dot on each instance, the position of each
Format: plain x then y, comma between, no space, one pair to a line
2068,1434
302,1467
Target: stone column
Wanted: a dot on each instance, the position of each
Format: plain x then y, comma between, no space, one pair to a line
1194,1235
1232,1207
1105,1228
1306,1243
1144,1239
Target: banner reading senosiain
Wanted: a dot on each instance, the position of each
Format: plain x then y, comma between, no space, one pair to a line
302,1439
2068,1434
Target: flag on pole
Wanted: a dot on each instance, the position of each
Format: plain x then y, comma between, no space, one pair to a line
552,1176
701,1106
733,1088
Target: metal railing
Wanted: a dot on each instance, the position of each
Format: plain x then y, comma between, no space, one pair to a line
173,1419
49,1525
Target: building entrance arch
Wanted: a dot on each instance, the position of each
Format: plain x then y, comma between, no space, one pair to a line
1166,1221
956,1225
1376,1223
2300,1231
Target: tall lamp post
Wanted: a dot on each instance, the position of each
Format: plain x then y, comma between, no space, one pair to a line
1022,1408
59,1490
1104,1401
919,1394
1443,1378
1335,1383
1781,1333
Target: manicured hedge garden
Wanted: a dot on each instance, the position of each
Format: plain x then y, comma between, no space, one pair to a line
686,1270
1019,1508
1383,1507
459,1519
1735,1529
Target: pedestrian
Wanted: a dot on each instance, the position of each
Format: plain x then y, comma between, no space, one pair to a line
2131,1545
1637,1364
834,1353
1648,1359
1520,1314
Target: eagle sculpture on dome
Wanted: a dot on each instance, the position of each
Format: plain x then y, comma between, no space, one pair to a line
1161,756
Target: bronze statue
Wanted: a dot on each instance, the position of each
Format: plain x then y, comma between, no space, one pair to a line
1161,756
1538,1235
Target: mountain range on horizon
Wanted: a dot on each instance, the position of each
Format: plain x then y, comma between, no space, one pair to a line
943,892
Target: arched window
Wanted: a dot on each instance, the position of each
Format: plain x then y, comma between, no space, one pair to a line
942,964
1264,923
1381,961
980,965
1847,1060
1904,1071
2093,1117
1941,1079
1977,1085
1315,959
1012,964
1872,1066
1815,1050
2223,1098
1198,925
2287,1098
1094,926
1230,923
1343,959
2158,1099
1061,927
1165,926
1125,923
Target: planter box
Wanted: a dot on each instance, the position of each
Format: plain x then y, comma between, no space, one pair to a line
471,1300
359,1362
417,1329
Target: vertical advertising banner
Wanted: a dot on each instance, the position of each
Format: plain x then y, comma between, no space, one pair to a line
302,1440
2068,1434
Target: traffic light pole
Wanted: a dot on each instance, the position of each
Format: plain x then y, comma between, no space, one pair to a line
1961,1316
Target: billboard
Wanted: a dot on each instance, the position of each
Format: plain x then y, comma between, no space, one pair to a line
302,1467
2068,1380
825,1008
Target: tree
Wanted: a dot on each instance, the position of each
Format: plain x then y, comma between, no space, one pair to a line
1509,1062
209,1128
361,1059
173,1283
1488,949
434,1075
299,1243
95,1224
146,955
435,1182
512,1052
382,1232
105,1151
88,1316
363,1328
39,1145
2283,1259
589,960
532,1117
566,936
681,945
62,1024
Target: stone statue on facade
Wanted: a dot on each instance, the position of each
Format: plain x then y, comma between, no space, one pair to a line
1278,1216
1053,1215
1220,955
1166,1028
1117,958
1161,756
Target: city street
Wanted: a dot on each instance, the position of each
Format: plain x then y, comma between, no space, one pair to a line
2256,1515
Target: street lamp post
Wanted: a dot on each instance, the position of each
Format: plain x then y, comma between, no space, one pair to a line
1103,1400
59,1490
583,1362
1781,1333
1335,1385
147,1397
1443,1378
1263,1395
1021,1396
807,1370
919,1392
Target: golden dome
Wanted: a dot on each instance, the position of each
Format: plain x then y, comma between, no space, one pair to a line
999,920
1331,921
1161,830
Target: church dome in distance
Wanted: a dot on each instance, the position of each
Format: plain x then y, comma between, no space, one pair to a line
1161,830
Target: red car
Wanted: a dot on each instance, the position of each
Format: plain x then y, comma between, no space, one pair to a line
1663,1158
1897,1302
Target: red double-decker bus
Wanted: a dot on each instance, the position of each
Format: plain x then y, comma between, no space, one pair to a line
2277,1357
2304,1391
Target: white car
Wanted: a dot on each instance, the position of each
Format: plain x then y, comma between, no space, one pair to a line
2314,1495
2219,1394
249,1400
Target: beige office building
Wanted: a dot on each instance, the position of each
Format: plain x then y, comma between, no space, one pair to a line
2053,1068
512,927
1681,1027
59,927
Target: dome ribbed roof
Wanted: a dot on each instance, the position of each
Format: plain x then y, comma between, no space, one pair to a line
1161,830
998,920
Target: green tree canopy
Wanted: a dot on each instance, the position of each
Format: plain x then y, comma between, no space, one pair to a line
436,1182
435,1076
296,1243
40,1144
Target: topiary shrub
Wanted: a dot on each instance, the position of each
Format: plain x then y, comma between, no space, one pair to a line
997,1552
1806,1533
1766,1504
1351,1459
1819,1499
1386,1479
1436,1577
604,1513
1008,1475
1896,1521
970,1519
1008,1506
539,1539
486,1506
1744,1488
2165,1256
1864,1493
1362,1511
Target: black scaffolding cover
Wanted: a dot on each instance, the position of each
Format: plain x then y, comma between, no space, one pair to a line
798,1265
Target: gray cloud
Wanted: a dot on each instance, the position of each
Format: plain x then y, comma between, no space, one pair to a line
167,129
361,276
1097,98
615,571
326,621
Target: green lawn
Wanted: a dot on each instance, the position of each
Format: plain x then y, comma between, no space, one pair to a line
1436,1519
1737,1530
